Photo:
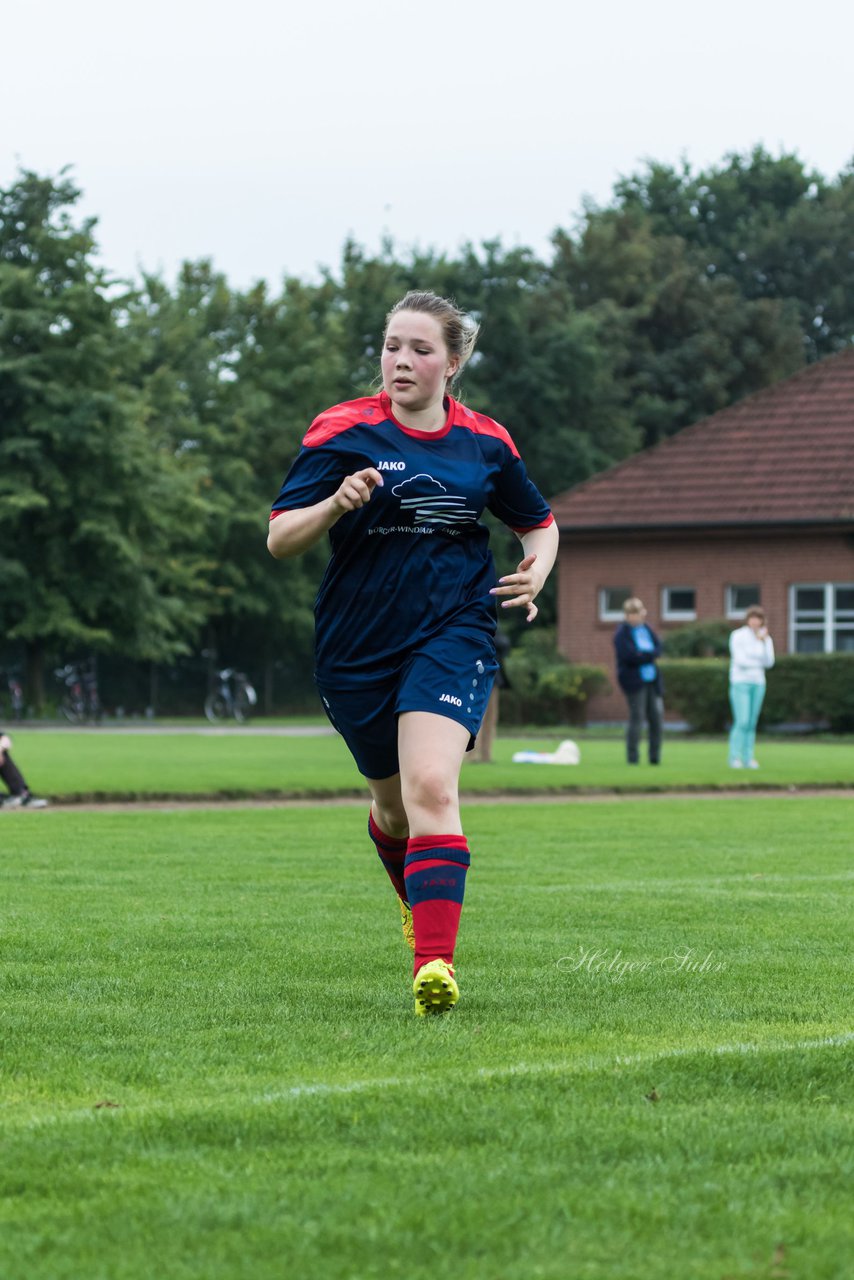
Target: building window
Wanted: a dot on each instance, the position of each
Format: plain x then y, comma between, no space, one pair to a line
822,617
611,601
739,599
678,604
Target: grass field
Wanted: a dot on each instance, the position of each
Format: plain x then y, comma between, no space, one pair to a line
81,765
211,1068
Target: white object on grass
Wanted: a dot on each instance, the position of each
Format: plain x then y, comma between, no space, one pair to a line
567,753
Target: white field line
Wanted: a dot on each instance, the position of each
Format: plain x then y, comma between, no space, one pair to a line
599,1063
568,1067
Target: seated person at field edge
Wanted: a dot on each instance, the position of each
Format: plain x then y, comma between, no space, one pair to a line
637,648
20,796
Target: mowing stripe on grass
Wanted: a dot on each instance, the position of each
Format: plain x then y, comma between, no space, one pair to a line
596,1063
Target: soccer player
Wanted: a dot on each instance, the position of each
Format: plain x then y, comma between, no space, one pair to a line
406,612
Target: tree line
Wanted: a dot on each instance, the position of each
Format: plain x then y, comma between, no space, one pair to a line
145,425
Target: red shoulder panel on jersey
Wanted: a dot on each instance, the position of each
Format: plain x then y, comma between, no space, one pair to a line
481,425
341,417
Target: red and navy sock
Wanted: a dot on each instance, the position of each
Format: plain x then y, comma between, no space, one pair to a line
392,851
436,869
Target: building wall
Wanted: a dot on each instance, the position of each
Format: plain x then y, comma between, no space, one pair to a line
709,563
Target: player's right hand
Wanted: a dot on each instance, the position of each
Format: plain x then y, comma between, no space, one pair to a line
355,490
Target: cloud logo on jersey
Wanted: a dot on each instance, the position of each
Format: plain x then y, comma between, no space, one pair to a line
429,502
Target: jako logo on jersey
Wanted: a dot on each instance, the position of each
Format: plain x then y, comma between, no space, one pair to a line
391,466
449,697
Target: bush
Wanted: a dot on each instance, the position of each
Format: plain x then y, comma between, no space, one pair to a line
816,689
698,688
543,687
699,640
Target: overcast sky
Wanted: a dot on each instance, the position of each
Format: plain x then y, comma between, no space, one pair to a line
264,134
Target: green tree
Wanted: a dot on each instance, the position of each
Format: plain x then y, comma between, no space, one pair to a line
292,363
781,232
685,341
236,379
96,510
543,370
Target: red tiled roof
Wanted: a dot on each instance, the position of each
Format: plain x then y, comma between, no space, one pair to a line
782,455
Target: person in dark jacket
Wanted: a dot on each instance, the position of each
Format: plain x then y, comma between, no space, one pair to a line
637,648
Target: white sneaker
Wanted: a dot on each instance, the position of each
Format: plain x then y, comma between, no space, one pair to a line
27,801
736,764
754,764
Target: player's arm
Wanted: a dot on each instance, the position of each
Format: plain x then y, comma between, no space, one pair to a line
522,587
294,531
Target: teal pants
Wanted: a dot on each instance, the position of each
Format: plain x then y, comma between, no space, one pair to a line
746,702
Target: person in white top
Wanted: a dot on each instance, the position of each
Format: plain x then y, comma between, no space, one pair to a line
752,654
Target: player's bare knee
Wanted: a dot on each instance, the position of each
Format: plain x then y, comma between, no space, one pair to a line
432,794
392,819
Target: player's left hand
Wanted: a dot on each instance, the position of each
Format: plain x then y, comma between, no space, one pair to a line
523,586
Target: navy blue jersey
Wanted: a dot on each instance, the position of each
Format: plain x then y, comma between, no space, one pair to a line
415,560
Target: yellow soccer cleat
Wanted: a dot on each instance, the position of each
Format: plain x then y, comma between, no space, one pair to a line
435,988
406,924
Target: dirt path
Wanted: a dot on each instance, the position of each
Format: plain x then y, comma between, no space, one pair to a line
181,804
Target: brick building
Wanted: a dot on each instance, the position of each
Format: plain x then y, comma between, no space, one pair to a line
752,505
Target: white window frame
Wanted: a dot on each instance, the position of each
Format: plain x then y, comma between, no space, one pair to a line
830,617
729,608
611,615
677,615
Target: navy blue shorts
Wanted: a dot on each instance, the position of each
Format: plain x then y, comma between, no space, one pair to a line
451,675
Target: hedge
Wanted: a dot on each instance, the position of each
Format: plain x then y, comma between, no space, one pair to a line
708,639
815,689
543,687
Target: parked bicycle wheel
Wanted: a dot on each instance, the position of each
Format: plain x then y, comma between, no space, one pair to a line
216,707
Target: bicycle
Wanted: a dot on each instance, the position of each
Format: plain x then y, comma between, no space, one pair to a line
225,701
81,702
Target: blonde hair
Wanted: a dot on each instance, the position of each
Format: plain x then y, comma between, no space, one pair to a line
633,605
459,329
